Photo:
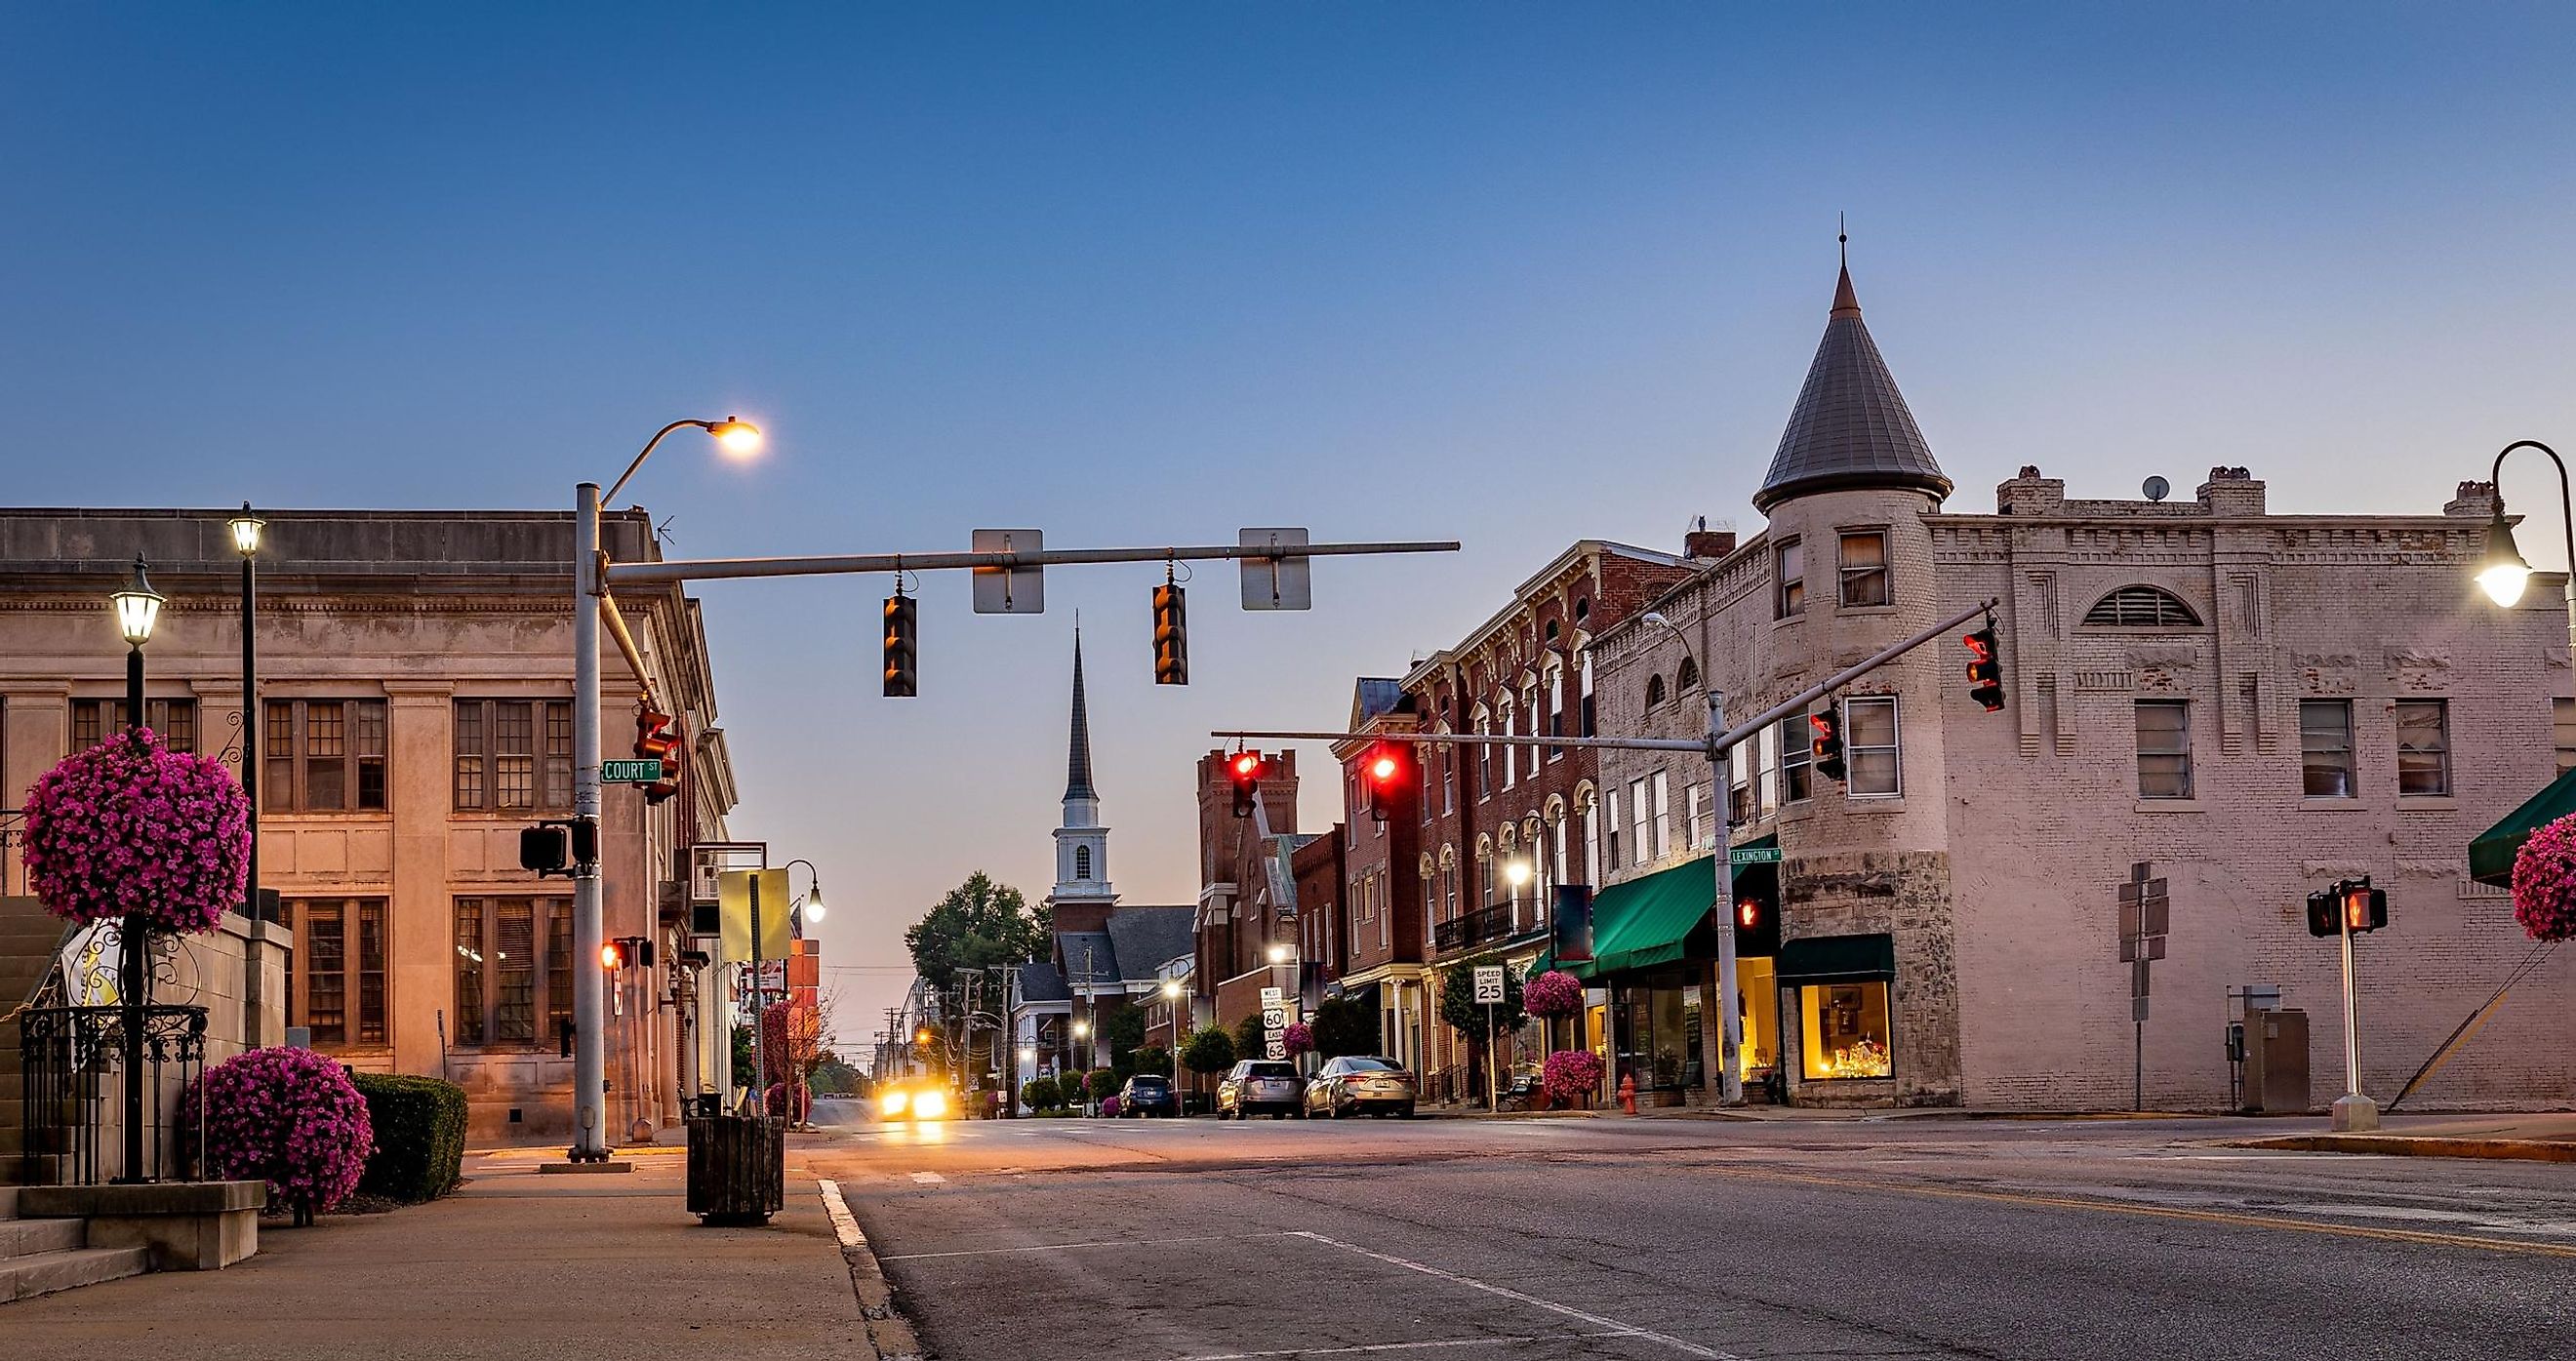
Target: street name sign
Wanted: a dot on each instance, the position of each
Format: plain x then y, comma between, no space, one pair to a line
1489,984
629,772
1753,855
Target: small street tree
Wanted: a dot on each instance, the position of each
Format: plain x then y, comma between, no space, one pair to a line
981,923
1343,1025
1153,1060
1124,1029
1250,1038
1210,1050
1459,1008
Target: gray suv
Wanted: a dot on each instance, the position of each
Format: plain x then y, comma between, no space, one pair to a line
1256,1085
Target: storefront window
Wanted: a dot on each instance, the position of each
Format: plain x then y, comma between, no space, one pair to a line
1757,1002
1847,1031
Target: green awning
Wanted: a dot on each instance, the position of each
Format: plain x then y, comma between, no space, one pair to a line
1642,923
1835,959
2491,855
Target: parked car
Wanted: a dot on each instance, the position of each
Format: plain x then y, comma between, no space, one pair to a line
1257,1085
1146,1094
1373,1083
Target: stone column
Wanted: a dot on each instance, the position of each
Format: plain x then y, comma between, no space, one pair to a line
420,919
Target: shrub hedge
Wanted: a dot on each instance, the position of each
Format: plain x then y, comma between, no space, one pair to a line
420,1136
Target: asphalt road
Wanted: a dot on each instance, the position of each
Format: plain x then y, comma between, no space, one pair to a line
1609,1238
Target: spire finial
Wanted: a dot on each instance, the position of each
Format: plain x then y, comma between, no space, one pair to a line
1846,302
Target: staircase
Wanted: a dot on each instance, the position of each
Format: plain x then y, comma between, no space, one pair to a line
40,1256
29,936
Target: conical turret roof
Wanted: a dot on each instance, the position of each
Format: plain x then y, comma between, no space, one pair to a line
1850,427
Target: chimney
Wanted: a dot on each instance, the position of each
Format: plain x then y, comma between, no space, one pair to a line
1700,542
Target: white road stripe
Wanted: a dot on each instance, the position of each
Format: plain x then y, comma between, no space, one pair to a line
928,1178
1566,1311
1094,1243
844,1224
1407,1346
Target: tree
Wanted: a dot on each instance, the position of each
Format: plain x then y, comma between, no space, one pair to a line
1210,1050
978,925
1041,1094
1344,1025
743,1076
1459,1007
1251,1038
1153,1060
1124,1029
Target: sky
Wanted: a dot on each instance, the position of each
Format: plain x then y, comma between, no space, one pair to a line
1143,274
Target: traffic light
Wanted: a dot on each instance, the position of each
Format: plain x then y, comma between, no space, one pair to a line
655,741
1985,669
1387,772
1171,636
1757,928
2350,904
902,646
1244,770
549,848
612,955
1828,746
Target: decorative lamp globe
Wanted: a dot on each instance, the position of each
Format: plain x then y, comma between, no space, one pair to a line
138,607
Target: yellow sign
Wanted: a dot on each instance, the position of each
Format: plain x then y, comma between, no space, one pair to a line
733,904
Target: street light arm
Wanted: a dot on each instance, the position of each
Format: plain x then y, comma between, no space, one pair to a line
2566,501
614,487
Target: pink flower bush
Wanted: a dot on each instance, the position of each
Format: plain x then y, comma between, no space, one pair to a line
1571,1075
128,827
795,1105
289,1117
1298,1038
2544,881
1554,993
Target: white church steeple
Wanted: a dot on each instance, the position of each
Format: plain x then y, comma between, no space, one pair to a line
1081,844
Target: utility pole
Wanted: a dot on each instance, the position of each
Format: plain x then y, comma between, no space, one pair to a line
2352,1110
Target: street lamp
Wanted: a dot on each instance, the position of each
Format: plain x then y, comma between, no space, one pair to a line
1278,954
1730,1077
810,907
1516,872
246,529
590,1059
2502,572
138,607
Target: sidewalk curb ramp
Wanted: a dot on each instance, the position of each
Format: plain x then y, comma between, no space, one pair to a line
890,1338
2418,1146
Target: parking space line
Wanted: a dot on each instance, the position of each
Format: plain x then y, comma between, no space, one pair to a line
1613,1326
1368,1347
1094,1243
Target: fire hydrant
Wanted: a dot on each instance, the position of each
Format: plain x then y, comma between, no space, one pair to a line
1628,1093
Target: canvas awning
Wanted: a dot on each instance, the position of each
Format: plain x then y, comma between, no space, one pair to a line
1643,922
2491,854
1836,959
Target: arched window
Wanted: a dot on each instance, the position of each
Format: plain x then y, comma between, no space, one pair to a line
1654,691
2141,607
1688,676
1082,862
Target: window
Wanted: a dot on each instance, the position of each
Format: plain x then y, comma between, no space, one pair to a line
2423,748
323,755
2325,749
1739,794
1554,682
1448,778
1082,862
1663,818
2164,749
513,755
1424,754
174,720
1797,758
1864,567
1687,676
2140,607
1511,754
1870,764
1654,691
1788,565
1484,756
2562,727
1848,1035
1610,829
499,963
340,969
1587,696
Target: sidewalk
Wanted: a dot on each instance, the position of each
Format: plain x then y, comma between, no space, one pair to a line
516,1263
2547,1136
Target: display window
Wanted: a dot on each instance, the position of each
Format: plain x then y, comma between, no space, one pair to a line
1848,1034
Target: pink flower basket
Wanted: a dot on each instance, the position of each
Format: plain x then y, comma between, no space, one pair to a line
1554,993
129,828
1570,1076
2544,881
289,1117
1298,1038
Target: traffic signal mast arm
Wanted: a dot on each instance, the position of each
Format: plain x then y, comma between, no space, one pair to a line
1711,745
707,569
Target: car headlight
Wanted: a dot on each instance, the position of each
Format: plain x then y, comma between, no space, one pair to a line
930,1105
892,1105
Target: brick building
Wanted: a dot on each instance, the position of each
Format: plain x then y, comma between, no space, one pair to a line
1378,923
1244,940
2252,704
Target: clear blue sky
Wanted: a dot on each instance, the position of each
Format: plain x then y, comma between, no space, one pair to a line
1146,273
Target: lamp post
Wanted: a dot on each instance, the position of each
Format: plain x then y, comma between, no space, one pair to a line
2502,573
246,529
589,1066
138,607
1730,1076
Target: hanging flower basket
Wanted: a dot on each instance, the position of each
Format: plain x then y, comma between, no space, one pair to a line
2544,881
129,828
1570,1076
1298,1038
1552,994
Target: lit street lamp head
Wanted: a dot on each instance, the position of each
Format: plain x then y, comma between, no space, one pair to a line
740,438
1278,954
1171,987
246,528
814,904
1518,871
137,607
2502,573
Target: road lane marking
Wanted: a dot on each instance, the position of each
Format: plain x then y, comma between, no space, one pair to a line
1613,1326
2416,1236
1093,1243
844,1224
928,1178
1408,1346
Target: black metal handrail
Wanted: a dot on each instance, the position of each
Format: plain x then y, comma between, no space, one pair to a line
1473,928
71,1057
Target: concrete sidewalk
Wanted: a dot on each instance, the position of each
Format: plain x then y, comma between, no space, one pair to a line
514,1264
2544,1136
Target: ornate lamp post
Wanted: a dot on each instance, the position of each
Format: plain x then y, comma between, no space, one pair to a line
246,529
138,607
2502,573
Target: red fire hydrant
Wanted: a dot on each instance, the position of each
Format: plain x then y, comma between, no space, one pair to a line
1628,1093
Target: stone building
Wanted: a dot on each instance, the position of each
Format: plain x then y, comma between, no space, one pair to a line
415,677
2248,705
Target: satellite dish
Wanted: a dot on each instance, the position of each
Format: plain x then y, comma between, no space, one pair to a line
2157,488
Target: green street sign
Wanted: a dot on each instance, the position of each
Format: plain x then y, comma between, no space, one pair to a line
629,772
1753,855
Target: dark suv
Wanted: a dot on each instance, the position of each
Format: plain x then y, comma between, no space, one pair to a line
1146,1094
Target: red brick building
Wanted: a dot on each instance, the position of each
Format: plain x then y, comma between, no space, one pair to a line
1378,923
1244,940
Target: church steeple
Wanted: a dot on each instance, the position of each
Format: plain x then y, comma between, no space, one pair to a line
1082,895
1077,763
1851,427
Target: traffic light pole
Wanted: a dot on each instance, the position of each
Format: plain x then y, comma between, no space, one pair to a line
1718,746
2352,1110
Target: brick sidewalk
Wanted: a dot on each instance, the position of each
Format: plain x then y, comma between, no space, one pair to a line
514,1264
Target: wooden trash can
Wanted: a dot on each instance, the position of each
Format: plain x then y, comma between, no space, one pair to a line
737,1168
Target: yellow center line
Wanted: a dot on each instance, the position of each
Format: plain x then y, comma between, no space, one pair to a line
2418,1236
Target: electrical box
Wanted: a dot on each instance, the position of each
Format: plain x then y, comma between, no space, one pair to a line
2276,1062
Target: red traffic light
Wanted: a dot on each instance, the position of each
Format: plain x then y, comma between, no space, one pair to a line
1985,672
1748,912
1244,770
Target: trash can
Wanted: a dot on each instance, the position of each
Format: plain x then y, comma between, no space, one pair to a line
737,1168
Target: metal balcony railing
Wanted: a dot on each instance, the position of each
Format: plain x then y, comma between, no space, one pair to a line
72,1058
1472,929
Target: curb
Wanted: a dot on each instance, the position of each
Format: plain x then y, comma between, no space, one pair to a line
2419,1146
890,1338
